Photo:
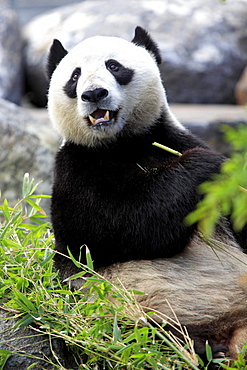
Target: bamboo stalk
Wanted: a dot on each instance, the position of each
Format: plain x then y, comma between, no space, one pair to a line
167,149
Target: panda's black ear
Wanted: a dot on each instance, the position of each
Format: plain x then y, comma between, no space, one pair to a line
56,54
142,38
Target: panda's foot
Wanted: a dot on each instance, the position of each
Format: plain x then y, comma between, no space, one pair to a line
219,352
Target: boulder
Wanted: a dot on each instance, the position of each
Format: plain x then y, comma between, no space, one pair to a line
203,44
11,55
207,122
28,145
30,347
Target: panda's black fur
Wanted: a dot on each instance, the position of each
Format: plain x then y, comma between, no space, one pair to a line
129,201
113,190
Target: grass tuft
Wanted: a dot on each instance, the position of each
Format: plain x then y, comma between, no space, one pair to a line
102,324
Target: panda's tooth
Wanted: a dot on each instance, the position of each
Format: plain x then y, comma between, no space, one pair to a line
92,120
107,115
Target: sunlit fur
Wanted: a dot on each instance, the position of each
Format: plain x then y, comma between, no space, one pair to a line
140,103
204,288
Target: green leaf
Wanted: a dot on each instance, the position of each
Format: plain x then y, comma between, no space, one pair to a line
47,259
22,283
4,355
89,259
209,353
130,338
32,365
136,292
78,276
76,263
24,302
9,243
25,185
116,331
5,210
35,205
28,187
40,196
25,321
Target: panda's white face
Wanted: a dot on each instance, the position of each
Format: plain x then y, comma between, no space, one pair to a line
105,87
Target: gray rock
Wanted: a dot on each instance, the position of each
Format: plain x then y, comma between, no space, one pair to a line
31,347
203,44
27,145
212,134
11,55
28,9
207,121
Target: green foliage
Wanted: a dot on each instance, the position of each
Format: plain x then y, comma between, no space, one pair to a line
4,355
24,238
102,324
227,193
240,363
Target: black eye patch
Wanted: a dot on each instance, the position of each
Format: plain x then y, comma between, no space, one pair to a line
122,74
70,87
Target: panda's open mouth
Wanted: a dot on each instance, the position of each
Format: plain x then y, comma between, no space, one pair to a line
102,117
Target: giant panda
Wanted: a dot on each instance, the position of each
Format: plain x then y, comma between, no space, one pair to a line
127,199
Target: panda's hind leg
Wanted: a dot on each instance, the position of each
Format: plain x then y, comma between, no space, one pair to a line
226,337
238,340
200,335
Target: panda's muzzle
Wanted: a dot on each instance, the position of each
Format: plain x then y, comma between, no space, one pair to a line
99,117
102,117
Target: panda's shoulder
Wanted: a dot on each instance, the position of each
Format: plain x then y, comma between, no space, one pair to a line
66,159
69,150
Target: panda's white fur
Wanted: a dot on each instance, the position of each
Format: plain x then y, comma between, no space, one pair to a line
139,103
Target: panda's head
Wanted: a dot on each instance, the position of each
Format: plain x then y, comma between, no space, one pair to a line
105,87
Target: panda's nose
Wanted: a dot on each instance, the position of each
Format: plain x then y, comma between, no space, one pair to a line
94,96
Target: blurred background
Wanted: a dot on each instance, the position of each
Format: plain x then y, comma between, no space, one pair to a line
204,70
203,43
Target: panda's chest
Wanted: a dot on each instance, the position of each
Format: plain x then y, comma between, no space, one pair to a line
112,177
120,176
